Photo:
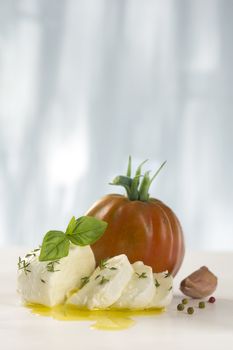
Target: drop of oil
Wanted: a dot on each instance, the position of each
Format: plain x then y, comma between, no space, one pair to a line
100,319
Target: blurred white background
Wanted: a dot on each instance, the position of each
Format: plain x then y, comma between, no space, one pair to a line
83,84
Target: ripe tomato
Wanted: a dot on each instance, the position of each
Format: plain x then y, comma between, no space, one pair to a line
143,228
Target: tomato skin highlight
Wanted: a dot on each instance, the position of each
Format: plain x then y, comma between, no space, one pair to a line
147,231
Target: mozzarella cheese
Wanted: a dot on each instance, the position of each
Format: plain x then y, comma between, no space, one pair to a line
105,285
140,290
163,294
42,286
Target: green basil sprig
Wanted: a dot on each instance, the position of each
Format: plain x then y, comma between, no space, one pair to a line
82,231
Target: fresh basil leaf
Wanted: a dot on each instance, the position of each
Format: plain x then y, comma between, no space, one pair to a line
87,231
55,246
71,226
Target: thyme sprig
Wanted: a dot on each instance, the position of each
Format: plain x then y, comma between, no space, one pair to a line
32,253
103,263
23,265
51,266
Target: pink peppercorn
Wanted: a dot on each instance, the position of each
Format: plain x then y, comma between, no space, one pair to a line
211,300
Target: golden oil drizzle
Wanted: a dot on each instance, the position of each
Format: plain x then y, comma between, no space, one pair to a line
109,319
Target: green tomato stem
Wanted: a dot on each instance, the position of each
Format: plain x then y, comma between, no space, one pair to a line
136,189
144,188
129,167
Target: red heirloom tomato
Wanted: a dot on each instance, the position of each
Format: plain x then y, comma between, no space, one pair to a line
139,226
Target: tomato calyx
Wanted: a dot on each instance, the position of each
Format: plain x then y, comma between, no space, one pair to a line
137,187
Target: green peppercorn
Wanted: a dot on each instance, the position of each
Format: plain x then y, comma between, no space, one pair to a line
180,307
201,305
185,301
190,310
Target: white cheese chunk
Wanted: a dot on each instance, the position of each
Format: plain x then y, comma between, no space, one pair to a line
105,285
140,290
43,286
163,294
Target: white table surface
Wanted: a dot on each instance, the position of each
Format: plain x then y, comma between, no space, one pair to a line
211,328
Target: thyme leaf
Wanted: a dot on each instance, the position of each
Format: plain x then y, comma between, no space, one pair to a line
84,280
167,274
29,255
157,284
103,280
142,275
36,250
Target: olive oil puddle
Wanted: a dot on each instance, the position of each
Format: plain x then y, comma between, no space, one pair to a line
101,319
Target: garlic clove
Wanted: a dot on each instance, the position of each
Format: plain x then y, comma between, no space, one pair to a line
201,283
